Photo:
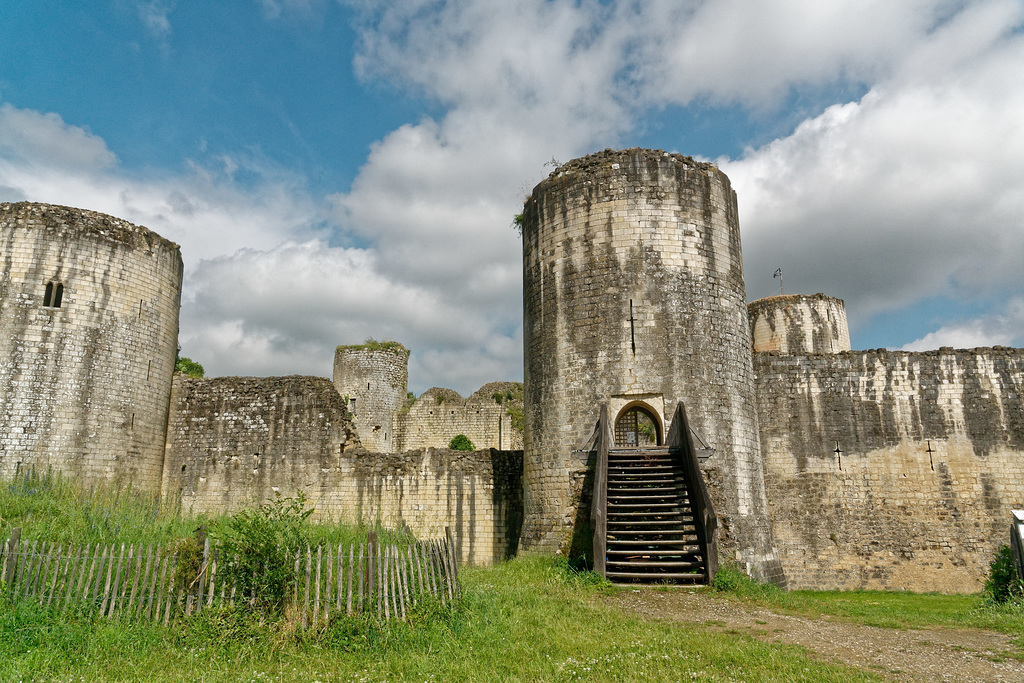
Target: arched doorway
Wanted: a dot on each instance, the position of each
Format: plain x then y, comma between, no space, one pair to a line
637,427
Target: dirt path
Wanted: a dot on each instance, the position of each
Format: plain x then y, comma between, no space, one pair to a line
930,654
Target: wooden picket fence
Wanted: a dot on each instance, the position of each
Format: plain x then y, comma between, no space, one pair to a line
127,580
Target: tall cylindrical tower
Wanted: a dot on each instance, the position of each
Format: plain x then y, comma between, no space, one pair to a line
88,336
634,296
799,323
373,378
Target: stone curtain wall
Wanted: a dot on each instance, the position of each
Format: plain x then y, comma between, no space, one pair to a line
440,414
798,323
232,439
240,441
661,230
85,388
375,375
894,516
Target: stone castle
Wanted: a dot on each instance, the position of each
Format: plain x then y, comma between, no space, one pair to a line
831,468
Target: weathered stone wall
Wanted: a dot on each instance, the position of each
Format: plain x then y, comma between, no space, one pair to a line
633,292
799,323
440,414
373,377
239,441
85,387
894,515
251,434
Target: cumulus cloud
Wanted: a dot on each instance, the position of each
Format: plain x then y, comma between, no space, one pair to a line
265,291
1003,328
909,192
43,141
912,191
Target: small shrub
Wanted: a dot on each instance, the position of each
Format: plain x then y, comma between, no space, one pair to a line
188,367
1003,583
259,546
190,561
461,442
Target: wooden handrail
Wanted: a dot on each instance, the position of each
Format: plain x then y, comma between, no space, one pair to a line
599,504
680,445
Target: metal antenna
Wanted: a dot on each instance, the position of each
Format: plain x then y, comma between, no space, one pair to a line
778,274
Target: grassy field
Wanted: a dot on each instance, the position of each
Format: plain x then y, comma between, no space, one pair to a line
886,609
532,619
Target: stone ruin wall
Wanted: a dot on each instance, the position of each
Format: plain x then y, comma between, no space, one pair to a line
798,323
892,517
438,415
85,387
236,441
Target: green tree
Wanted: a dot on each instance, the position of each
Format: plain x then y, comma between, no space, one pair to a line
188,367
461,443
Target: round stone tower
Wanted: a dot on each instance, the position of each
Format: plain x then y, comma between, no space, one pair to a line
799,323
633,296
372,377
88,336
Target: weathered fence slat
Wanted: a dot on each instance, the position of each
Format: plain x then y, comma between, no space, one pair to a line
361,576
351,572
339,578
316,603
380,579
25,572
212,588
153,601
58,578
40,590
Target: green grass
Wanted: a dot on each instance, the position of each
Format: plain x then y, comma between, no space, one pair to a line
528,620
895,609
49,507
531,619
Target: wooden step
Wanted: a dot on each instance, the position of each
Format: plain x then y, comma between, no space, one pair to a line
660,576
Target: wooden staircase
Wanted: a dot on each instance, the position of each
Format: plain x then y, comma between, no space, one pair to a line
651,514
651,533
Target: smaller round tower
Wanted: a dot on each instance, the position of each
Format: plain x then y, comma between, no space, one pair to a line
372,378
799,323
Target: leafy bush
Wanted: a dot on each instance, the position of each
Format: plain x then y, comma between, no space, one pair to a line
461,443
1003,583
188,367
259,546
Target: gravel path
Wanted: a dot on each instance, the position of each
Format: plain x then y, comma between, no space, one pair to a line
928,654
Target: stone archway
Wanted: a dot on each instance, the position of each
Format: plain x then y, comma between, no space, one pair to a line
637,426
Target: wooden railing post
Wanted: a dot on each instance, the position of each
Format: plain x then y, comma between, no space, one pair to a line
599,499
680,442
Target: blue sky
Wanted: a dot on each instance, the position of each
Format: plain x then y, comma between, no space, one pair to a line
340,170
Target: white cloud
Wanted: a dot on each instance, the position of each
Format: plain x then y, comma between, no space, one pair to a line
43,141
273,9
154,16
914,191
265,292
1005,328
